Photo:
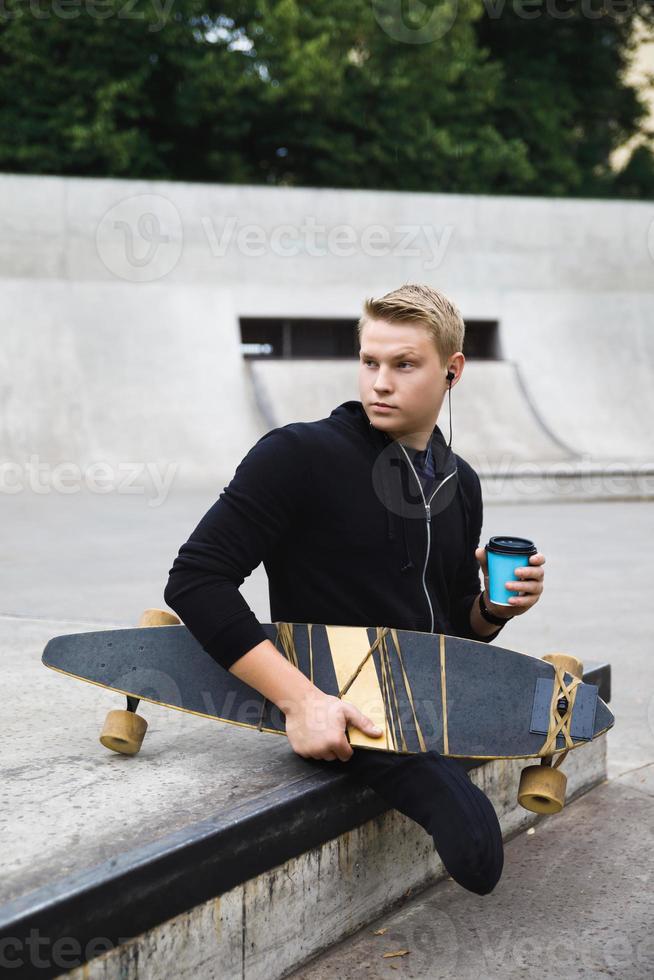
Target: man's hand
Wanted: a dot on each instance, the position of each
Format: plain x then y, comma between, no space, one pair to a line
316,727
530,581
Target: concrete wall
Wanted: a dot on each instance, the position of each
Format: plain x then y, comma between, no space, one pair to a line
116,293
108,373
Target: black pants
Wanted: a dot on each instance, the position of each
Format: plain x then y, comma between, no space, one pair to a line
438,794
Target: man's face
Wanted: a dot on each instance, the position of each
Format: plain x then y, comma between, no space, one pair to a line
400,366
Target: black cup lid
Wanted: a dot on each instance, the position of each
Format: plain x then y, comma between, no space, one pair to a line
505,545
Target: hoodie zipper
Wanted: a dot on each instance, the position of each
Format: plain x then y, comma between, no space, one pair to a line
428,516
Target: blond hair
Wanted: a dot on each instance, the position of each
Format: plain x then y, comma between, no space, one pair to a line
419,303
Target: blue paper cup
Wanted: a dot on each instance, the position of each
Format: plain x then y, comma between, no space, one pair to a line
504,555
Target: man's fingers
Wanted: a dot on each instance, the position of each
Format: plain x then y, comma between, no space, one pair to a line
360,721
526,586
341,748
524,602
344,751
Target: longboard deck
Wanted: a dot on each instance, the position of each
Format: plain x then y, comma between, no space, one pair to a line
464,698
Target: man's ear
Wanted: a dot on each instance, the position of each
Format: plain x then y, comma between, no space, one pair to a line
455,365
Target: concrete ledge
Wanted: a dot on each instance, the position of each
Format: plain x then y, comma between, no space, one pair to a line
592,480
238,895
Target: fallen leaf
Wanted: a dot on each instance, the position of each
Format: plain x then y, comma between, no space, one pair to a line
397,952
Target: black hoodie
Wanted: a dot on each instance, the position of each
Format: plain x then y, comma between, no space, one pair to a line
337,513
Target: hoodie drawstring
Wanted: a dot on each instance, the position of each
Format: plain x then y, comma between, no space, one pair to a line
409,560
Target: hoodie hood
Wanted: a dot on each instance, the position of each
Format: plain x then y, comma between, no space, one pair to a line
394,477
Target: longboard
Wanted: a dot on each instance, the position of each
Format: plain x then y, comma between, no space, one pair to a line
463,698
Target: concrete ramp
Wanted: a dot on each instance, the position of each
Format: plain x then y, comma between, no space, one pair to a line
122,375
588,361
494,422
300,390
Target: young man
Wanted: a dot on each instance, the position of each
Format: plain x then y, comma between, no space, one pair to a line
365,518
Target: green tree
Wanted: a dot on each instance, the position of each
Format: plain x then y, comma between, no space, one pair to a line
120,90
443,96
347,104
278,91
563,91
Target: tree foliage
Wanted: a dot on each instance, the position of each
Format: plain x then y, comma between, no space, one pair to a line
448,95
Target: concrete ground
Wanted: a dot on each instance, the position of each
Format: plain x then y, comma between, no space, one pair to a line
574,901
87,560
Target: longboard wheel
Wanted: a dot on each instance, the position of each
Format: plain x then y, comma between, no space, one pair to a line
542,789
158,617
123,732
566,662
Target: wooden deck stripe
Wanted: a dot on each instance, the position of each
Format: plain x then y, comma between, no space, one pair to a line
349,645
446,743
